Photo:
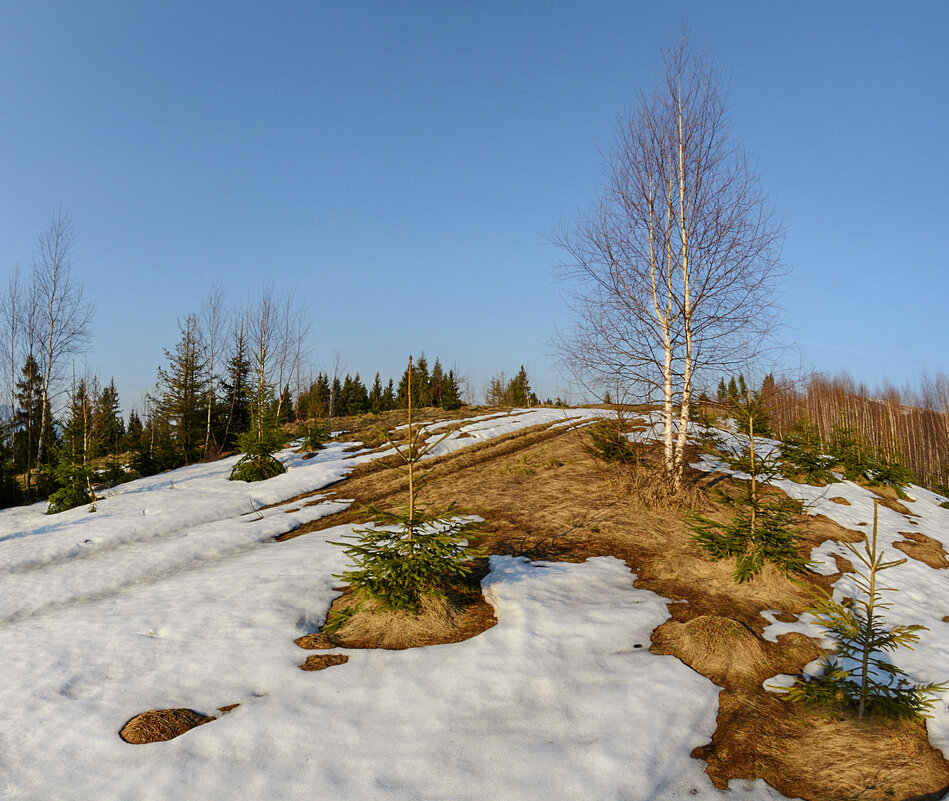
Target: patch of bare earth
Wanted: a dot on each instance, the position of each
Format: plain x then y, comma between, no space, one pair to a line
323,661
922,548
542,496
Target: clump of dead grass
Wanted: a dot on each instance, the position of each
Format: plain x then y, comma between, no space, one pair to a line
924,549
363,623
158,725
724,650
323,661
809,754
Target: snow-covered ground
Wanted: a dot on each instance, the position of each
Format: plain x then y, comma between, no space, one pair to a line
174,593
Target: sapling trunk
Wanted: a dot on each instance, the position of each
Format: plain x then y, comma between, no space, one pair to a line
868,628
411,463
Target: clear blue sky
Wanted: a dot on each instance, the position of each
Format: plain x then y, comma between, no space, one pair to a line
401,165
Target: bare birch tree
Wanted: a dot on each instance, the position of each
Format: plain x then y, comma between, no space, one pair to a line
64,313
213,320
673,267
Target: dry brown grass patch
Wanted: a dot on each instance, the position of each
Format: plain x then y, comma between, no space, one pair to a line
924,549
889,499
368,625
158,725
810,754
724,650
841,501
323,661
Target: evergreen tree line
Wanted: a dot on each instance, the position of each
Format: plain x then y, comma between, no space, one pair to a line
327,398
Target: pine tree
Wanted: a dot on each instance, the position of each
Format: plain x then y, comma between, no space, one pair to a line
804,456
762,528
436,384
410,555
450,394
859,676
109,428
375,396
388,397
518,391
73,471
265,435
234,386
181,397
27,420
722,395
733,395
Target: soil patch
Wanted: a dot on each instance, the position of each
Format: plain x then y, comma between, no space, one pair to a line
924,549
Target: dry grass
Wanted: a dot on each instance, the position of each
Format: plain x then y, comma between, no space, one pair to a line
924,549
724,650
158,725
544,497
323,661
370,626
814,755
841,501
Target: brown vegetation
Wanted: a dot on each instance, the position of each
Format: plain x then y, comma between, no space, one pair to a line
158,725
543,496
922,548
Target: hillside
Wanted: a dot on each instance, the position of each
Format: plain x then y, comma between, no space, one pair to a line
623,663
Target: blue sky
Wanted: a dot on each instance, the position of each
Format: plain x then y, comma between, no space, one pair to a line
401,166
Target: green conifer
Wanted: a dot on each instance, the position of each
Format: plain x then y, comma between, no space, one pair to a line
409,555
761,528
860,676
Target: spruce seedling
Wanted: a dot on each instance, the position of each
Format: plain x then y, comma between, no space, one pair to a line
412,554
761,528
859,675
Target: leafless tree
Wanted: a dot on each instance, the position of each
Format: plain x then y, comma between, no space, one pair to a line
213,321
64,313
674,266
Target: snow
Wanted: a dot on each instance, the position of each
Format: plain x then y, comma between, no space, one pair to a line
921,590
175,593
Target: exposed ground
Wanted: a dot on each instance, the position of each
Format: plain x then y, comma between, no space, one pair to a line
543,496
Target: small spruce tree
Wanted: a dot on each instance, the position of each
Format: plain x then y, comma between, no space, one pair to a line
762,528
412,554
859,676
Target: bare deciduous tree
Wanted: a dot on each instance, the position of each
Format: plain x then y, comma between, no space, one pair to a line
213,320
64,313
673,267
